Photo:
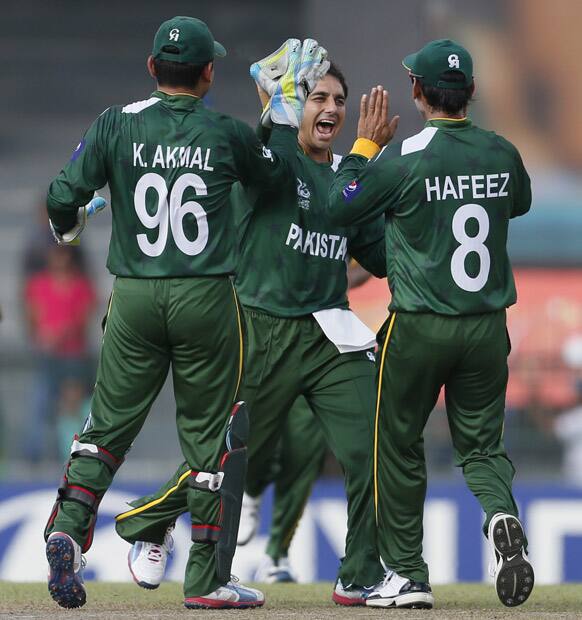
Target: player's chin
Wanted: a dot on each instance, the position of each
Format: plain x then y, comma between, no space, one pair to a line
321,139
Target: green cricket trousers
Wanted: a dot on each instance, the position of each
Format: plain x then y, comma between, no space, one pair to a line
419,354
288,358
193,326
294,468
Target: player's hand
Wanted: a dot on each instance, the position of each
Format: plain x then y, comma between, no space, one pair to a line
374,122
267,71
72,237
307,65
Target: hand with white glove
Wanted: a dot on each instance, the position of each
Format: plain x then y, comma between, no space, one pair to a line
266,72
306,64
71,237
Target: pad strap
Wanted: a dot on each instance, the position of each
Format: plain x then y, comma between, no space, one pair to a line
78,494
92,451
205,533
205,480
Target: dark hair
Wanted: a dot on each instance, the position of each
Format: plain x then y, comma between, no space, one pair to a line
449,100
176,74
335,72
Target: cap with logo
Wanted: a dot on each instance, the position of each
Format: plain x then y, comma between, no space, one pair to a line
432,62
186,40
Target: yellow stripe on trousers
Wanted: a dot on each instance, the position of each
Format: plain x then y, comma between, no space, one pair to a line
155,502
376,421
241,342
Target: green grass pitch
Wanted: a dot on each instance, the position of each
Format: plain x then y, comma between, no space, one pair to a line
305,602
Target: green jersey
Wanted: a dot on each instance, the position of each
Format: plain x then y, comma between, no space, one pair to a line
170,164
293,258
447,194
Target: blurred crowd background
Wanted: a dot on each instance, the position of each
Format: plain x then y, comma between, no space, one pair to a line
65,62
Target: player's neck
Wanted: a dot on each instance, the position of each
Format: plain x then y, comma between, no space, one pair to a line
180,90
321,156
432,114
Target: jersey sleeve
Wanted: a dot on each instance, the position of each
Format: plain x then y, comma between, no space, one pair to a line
84,173
522,197
260,165
368,247
363,190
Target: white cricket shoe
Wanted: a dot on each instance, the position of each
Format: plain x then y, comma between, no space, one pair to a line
349,596
65,578
513,574
147,561
397,591
274,571
230,595
249,519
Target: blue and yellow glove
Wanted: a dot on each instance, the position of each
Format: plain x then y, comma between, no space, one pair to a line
71,237
306,64
266,72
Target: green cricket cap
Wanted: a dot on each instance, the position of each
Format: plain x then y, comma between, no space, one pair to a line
187,40
436,58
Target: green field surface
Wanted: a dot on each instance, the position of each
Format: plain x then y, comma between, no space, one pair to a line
125,601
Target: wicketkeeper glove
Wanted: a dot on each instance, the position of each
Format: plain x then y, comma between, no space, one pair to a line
71,237
267,71
305,67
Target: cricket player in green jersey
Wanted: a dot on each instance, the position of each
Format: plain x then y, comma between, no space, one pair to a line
296,466
447,194
302,341
170,164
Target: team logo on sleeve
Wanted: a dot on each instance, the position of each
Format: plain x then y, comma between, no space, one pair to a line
303,194
78,150
267,153
349,192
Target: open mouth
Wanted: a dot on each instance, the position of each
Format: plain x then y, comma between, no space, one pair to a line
325,126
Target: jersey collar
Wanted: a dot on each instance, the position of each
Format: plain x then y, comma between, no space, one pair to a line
179,101
449,123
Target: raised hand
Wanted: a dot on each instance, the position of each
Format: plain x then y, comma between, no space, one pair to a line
374,122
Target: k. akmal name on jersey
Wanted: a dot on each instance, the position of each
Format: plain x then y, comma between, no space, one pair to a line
173,157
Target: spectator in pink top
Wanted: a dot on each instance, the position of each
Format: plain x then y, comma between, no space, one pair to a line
59,302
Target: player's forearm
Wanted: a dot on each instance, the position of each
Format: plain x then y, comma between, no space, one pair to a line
372,258
343,207
63,202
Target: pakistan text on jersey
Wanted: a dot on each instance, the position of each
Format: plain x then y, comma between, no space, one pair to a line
317,244
174,157
466,186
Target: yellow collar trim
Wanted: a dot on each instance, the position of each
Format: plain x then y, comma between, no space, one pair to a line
453,120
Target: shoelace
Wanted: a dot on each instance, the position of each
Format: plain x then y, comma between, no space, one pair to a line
154,553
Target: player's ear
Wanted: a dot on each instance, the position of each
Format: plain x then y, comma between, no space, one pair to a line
473,89
208,72
151,67
416,89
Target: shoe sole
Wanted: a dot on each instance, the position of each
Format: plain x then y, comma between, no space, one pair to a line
412,600
142,584
203,603
346,601
64,585
514,580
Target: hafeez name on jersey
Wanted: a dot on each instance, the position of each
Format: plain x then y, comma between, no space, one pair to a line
173,157
317,244
478,186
